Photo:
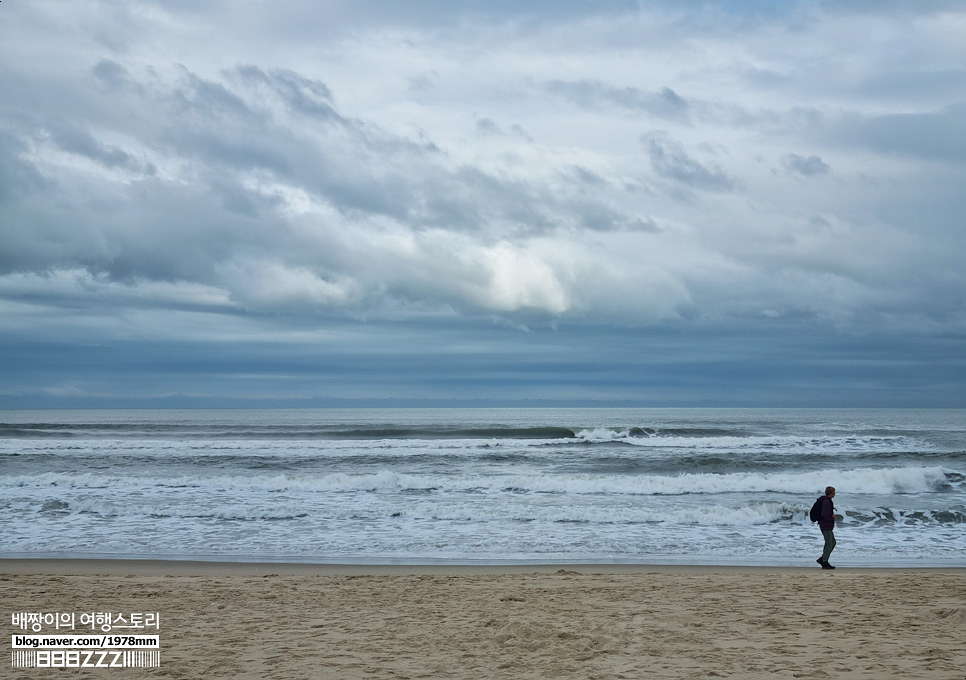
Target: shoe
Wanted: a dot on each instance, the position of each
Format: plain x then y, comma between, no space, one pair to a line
826,565
820,561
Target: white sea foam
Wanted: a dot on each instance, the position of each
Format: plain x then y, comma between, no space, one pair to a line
861,480
296,449
714,515
451,510
787,443
705,485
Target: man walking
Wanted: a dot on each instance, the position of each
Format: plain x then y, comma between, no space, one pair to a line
826,523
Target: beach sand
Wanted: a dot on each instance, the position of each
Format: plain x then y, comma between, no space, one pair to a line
587,621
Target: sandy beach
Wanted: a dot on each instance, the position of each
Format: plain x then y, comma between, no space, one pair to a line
588,621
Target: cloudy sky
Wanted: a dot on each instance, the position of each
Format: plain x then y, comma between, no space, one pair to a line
313,202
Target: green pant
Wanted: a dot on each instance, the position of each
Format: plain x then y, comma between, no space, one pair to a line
829,544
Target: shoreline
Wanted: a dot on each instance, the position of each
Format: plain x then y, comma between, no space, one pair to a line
203,567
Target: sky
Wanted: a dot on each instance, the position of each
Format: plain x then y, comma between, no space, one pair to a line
215,203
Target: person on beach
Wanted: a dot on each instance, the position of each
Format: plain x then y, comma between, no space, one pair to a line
827,524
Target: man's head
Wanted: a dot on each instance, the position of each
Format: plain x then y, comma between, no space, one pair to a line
830,491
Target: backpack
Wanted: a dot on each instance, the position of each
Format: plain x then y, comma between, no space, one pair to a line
815,514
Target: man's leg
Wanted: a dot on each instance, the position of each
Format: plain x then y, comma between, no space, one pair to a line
829,543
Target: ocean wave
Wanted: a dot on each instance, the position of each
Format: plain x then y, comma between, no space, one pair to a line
897,480
638,435
237,431
915,517
713,515
161,509
466,511
731,442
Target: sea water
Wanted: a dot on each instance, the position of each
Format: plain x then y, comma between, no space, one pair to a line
484,485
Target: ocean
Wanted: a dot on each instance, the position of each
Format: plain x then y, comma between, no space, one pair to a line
479,486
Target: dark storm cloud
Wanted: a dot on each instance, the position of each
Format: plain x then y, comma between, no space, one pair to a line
17,176
665,103
486,126
304,200
924,84
931,135
302,95
812,165
80,142
210,101
670,159
112,74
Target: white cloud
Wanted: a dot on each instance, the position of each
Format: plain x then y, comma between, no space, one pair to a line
262,285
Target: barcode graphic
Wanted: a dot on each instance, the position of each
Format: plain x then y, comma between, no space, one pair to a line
24,658
138,659
130,658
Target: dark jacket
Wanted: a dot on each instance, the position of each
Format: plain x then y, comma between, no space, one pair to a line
827,522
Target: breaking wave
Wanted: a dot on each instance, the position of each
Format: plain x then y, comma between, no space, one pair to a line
908,480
